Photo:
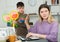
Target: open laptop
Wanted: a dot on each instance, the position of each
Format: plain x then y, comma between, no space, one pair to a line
27,39
21,36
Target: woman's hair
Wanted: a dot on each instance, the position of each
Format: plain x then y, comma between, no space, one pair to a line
50,18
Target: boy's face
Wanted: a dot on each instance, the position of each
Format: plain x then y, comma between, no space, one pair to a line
20,9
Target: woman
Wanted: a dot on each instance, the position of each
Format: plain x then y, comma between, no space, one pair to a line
45,27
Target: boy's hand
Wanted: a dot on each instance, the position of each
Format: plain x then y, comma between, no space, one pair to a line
14,22
26,19
26,22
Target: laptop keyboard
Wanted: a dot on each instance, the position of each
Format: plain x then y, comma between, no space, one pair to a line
23,38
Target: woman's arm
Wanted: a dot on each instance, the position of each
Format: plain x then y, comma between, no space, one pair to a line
36,35
53,32
52,36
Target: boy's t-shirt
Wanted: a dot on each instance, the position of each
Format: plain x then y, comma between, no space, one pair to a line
20,26
20,21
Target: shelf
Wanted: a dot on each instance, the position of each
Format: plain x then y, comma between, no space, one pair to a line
33,15
55,5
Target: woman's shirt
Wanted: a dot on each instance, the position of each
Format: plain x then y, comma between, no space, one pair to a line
45,28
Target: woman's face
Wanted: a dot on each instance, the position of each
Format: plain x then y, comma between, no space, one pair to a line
44,13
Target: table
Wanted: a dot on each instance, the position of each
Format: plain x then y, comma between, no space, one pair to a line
40,40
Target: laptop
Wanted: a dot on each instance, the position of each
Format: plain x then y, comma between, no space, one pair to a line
27,39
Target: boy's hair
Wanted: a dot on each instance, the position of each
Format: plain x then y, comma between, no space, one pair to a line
20,4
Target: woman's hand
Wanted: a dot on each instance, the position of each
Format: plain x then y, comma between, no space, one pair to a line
29,35
32,34
36,35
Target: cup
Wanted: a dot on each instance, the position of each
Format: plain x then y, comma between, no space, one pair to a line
12,38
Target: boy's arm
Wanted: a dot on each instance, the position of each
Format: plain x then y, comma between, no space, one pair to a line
27,22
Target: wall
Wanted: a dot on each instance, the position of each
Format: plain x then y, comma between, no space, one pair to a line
5,7
32,9
2,11
8,5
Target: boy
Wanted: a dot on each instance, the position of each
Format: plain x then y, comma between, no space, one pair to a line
21,28
20,23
